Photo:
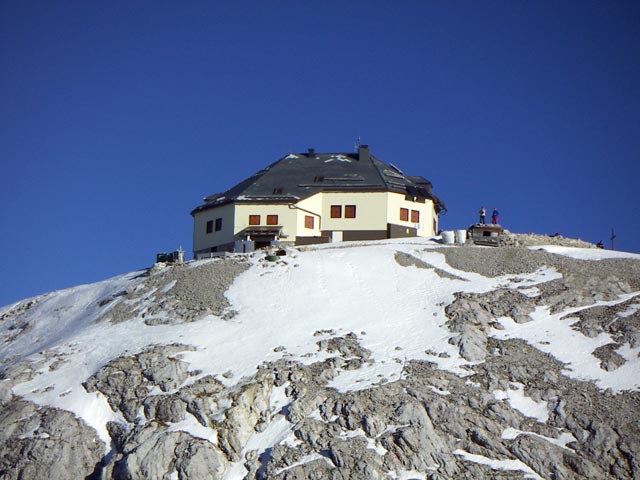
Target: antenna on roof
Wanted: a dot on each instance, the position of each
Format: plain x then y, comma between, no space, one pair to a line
357,143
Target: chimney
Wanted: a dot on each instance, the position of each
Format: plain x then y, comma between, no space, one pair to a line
364,155
312,153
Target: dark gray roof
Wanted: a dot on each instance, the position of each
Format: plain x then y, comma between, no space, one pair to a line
300,175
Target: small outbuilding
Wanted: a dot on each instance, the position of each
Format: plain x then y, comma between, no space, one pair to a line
485,234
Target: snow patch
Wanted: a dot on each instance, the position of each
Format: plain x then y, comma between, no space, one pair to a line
586,253
406,475
371,443
278,398
494,464
169,286
338,158
561,441
531,292
277,430
548,333
438,391
304,460
525,405
630,310
191,426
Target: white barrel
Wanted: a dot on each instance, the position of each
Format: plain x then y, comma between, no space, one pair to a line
447,237
461,236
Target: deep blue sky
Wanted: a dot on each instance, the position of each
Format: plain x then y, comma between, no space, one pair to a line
116,118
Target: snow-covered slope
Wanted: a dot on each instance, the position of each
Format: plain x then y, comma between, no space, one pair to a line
371,314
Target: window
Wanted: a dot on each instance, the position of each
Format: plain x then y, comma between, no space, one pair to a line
308,221
209,226
404,214
350,211
254,219
272,219
415,216
336,211
218,224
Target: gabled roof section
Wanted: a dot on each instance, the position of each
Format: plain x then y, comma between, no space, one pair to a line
300,175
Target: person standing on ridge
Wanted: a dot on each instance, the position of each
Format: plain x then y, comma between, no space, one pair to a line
494,216
483,214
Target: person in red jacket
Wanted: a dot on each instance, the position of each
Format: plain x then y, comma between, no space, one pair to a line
494,216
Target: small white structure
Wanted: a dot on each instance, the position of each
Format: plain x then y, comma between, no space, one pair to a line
448,237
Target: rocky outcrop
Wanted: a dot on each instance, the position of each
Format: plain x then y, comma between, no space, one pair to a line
413,424
45,443
149,451
621,322
127,382
470,316
18,319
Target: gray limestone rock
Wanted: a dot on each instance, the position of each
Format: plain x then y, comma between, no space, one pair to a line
609,358
165,408
621,322
45,443
127,381
471,315
164,454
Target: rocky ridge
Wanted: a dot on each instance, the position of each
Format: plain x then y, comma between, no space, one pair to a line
287,421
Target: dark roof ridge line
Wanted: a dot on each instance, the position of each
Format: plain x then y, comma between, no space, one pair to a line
306,154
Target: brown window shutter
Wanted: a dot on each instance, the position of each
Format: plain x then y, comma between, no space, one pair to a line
254,219
308,221
336,211
404,214
272,219
415,216
350,211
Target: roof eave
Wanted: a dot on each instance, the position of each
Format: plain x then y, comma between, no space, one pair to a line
210,206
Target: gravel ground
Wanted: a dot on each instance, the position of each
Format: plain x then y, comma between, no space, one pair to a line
493,262
583,282
406,260
187,291
534,239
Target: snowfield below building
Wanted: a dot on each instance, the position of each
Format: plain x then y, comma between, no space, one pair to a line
390,359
